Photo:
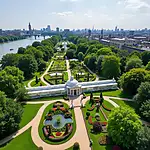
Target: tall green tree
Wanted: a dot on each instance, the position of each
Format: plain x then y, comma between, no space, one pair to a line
10,115
143,139
130,81
123,125
80,56
10,60
145,57
104,51
28,65
111,67
148,66
11,79
21,50
133,63
82,47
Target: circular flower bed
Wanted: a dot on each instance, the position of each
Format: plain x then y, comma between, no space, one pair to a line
58,123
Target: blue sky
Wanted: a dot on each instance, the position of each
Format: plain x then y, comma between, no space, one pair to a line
128,14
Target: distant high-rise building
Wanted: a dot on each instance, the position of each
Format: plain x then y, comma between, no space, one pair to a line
57,29
1,31
116,28
48,28
30,28
89,32
102,34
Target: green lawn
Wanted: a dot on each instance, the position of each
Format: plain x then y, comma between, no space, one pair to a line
47,98
95,137
115,93
41,126
33,83
22,142
29,113
122,103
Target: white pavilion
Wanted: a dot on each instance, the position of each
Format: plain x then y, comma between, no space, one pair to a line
72,88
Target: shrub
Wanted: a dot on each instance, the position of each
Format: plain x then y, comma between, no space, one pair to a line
87,114
76,146
97,127
104,140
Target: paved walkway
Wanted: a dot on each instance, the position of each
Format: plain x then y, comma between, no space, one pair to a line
42,77
80,135
46,72
68,68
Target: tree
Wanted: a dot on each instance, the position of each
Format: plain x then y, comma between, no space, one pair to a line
36,44
70,53
36,80
148,66
99,63
34,52
97,127
133,63
145,110
21,94
123,125
21,50
11,79
10,115
9,60
130,81
92,63
143,93
82,47
145,57
104,51
28,65
80,56
41,65
143,139
111,67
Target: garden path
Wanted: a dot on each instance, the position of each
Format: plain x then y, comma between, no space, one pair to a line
80,135
68,68
42,77
29,83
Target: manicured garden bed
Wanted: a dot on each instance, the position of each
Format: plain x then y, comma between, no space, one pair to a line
22,142
96,136
29,113
80,72
41,126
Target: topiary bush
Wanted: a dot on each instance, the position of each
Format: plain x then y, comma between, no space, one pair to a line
76,146
97,127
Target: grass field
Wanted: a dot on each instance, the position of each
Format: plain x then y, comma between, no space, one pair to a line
29,113
40,83
41,126
115,93
122,103
22,142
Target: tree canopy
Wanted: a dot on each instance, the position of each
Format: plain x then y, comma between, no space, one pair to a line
123,125
111,67
11,79
10,115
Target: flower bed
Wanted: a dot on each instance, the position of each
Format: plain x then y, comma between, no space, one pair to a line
104,140
92,108
106,108
90,120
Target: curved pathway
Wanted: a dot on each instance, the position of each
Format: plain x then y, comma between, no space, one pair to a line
46,72
29,83
80,135
42,77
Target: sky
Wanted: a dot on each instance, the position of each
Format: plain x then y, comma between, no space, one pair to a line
74,14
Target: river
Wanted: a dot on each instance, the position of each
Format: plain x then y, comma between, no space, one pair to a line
5,47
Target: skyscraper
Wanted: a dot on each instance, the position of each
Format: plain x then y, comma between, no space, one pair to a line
48,28
30,28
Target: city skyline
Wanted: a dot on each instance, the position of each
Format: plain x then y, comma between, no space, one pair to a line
74,14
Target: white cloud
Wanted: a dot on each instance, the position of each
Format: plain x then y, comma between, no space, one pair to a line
67,13
136,5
